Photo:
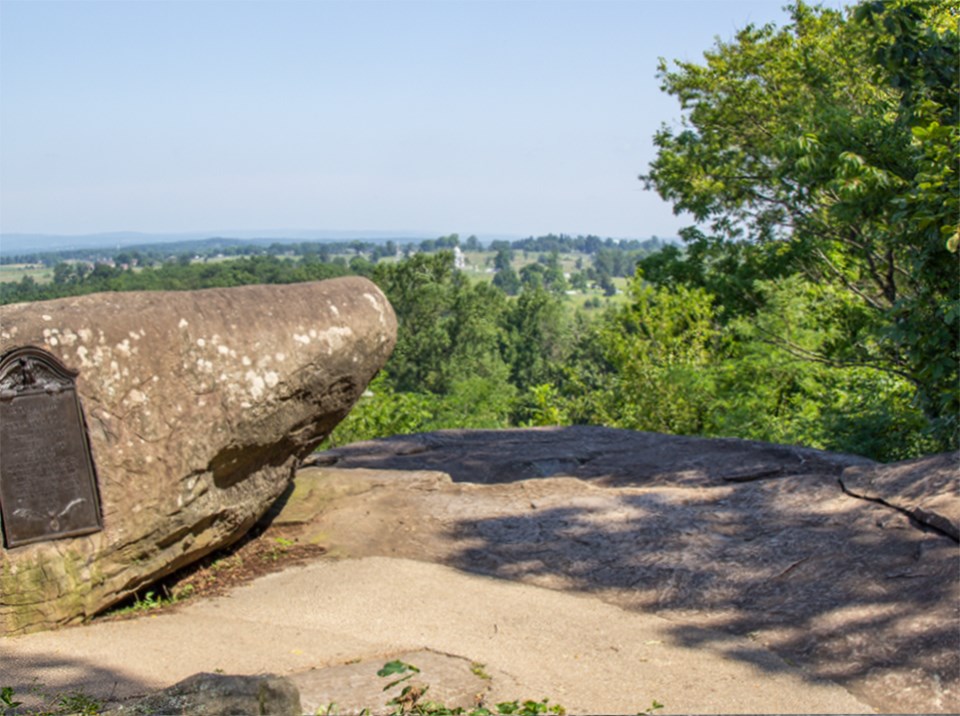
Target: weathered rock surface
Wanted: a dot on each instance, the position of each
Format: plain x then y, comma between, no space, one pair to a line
732,536
452,681
928,490
199,406
222,695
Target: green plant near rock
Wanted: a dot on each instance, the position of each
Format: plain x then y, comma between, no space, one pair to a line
75,703
7,700
79,704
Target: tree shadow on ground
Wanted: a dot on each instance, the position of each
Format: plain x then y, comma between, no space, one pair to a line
721,537
750,539
848,590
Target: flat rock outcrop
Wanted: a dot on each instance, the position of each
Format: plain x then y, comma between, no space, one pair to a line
718,536
199,406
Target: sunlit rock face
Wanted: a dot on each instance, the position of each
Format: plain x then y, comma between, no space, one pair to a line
199,406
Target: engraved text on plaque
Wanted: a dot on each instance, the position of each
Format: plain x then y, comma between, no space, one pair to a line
47,481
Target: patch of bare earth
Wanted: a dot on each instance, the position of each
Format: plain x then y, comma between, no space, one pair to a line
265,549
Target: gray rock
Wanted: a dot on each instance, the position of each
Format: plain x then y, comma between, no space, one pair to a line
927,489
221,695
199,406
752,539
353,688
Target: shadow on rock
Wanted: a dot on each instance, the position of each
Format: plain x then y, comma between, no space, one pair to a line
719,536
847,589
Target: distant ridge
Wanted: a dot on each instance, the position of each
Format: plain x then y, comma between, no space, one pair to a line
17,243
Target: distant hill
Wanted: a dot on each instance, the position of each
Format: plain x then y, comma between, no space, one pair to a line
11,244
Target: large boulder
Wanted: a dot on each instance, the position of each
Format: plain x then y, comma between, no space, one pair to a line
199,406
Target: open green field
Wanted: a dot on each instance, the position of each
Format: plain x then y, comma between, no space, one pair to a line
479,267
15,272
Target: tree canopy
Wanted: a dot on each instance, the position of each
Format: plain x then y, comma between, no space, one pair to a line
828,149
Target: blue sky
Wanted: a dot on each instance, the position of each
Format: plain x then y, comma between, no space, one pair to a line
494,117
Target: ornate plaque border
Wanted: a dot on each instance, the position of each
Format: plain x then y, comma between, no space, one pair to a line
28,372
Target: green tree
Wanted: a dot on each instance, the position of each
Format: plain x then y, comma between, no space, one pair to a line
503,259
828,148
506,280
448,328
536,337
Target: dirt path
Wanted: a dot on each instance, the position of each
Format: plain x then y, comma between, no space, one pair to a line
352,615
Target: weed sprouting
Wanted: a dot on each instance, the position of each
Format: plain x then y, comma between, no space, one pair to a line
7,700
410,702
75,703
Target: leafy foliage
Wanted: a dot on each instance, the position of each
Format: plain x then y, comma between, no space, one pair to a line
827,149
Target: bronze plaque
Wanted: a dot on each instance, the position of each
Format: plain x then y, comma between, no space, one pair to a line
48,485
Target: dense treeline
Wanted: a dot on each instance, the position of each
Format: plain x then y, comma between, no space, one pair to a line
470,357
73,279
197,264
155,254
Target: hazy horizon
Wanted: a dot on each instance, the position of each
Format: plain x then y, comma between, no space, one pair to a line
13,244
486,118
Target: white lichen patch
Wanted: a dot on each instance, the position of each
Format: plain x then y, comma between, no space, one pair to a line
124,347
334,337
68,338
201,343
271,379
246,361
223,350
183,323
377,306
86,335
46,317
136,397
136,336
280,357
256,384
82,357
301,338
334,310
